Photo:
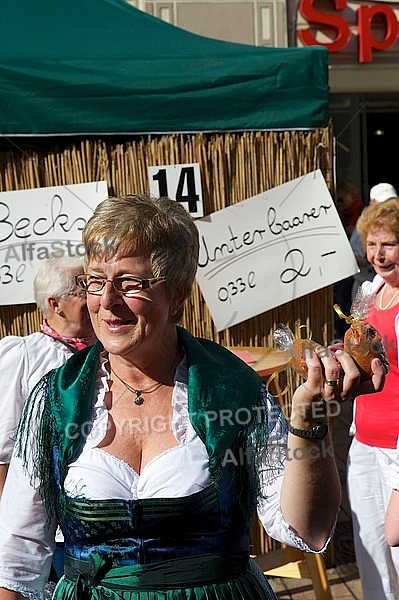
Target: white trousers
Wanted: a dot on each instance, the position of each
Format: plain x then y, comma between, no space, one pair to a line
369,492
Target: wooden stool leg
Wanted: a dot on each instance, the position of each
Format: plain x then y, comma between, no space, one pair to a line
318,574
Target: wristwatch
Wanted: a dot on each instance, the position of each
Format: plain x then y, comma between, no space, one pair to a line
318,432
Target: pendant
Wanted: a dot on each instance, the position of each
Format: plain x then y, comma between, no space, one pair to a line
138,400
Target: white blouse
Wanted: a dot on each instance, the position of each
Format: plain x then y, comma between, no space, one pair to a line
27,543
23,361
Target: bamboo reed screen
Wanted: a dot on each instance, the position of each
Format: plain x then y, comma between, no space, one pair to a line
234,167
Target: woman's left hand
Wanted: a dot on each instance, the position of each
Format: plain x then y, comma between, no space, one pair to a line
333,375
351,383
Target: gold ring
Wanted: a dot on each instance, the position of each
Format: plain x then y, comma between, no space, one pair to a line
332,382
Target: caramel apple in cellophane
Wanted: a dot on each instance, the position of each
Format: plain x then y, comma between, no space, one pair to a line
287,342
362,341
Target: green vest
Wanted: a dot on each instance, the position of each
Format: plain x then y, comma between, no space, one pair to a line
224,404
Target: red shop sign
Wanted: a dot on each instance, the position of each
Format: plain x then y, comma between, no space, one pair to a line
365,15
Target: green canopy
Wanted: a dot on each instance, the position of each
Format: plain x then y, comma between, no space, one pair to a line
104,67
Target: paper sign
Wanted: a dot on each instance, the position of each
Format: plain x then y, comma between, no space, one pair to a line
271,249
179,182
36,224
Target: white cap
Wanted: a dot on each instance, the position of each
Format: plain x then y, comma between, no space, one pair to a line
382,192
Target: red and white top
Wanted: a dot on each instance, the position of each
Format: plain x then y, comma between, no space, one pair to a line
377,415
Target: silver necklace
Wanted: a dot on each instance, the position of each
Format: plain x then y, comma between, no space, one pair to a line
138,393
138,399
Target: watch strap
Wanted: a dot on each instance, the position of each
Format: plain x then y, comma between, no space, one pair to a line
318,432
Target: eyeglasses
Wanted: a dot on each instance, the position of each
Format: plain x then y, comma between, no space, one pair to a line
127,285
78,294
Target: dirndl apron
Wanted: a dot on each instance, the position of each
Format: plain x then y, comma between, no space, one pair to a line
191,548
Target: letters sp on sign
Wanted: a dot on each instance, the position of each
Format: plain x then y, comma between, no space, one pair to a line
41,223
331,21
271,249
179,182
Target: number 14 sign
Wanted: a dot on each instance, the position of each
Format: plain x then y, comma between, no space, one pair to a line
179,182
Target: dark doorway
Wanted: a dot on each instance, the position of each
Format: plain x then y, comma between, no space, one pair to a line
382,148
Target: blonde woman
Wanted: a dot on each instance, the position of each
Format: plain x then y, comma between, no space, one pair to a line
376,416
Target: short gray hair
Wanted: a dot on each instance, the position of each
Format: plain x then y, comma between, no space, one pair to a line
55,277
161,229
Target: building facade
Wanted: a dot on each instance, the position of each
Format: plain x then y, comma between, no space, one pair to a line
246,21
